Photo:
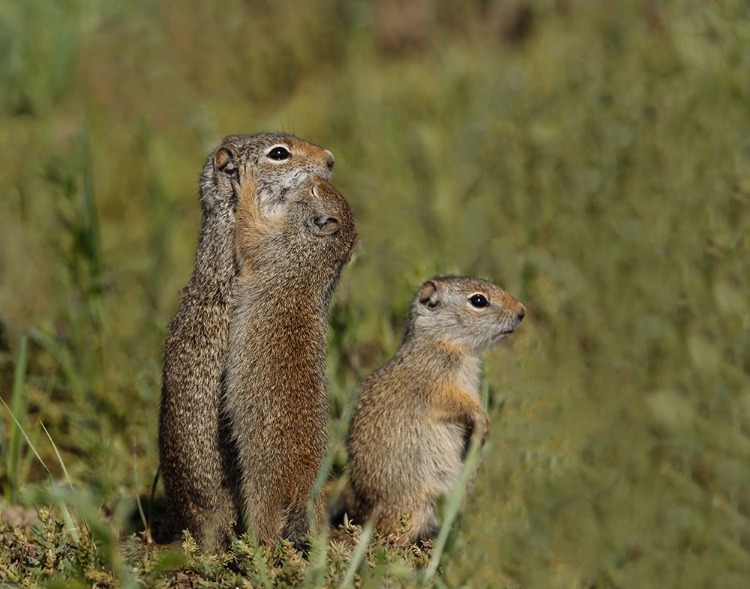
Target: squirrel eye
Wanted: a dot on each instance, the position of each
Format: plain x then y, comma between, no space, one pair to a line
479,301
279,153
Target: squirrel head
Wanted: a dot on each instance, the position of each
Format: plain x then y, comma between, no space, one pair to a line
466,312
310,229
262,167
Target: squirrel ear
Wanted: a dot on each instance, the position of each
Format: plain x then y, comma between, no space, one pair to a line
224,162
428,295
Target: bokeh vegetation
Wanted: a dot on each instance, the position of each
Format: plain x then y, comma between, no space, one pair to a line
591,157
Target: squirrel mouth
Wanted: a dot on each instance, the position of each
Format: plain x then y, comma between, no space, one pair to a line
501,335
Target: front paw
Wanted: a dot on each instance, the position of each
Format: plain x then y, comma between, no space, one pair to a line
482,427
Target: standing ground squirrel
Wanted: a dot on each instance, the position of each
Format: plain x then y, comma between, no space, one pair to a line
415,416
195,464
291,252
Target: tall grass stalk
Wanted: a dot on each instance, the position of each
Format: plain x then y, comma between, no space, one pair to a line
62,506
145,521
12,455
316,572
16,464
260,563
61,502
72,530
452,508
64,359
89,242
320,539
339,433
154,483
357,557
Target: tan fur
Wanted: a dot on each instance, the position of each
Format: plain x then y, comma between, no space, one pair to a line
275,390
415,416
196,459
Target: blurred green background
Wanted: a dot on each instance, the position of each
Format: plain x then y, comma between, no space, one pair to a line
593,158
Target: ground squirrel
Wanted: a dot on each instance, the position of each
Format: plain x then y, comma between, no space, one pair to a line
194,463
415,416
291,252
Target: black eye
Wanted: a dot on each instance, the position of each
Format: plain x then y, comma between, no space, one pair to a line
479,301
279,154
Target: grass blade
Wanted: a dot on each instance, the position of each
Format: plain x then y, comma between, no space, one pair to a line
25,435
65,513
153,493
70,526
452,508
139,504
260,564
318,559
18,399
74,533
357,557
57,453
28,458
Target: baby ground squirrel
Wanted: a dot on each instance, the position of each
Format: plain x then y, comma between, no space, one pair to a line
291,251
195,460
415,416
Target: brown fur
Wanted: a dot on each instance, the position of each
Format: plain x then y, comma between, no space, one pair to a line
415,416
274,390
196,462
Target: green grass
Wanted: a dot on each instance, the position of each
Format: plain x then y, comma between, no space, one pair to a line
16,469
596,164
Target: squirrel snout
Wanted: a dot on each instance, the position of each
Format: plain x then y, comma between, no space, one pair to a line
324,225
521,313
330,160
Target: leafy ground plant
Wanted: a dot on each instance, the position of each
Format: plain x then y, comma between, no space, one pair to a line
40,552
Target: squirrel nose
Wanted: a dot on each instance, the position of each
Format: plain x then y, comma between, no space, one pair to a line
522,313
330,160
325,225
